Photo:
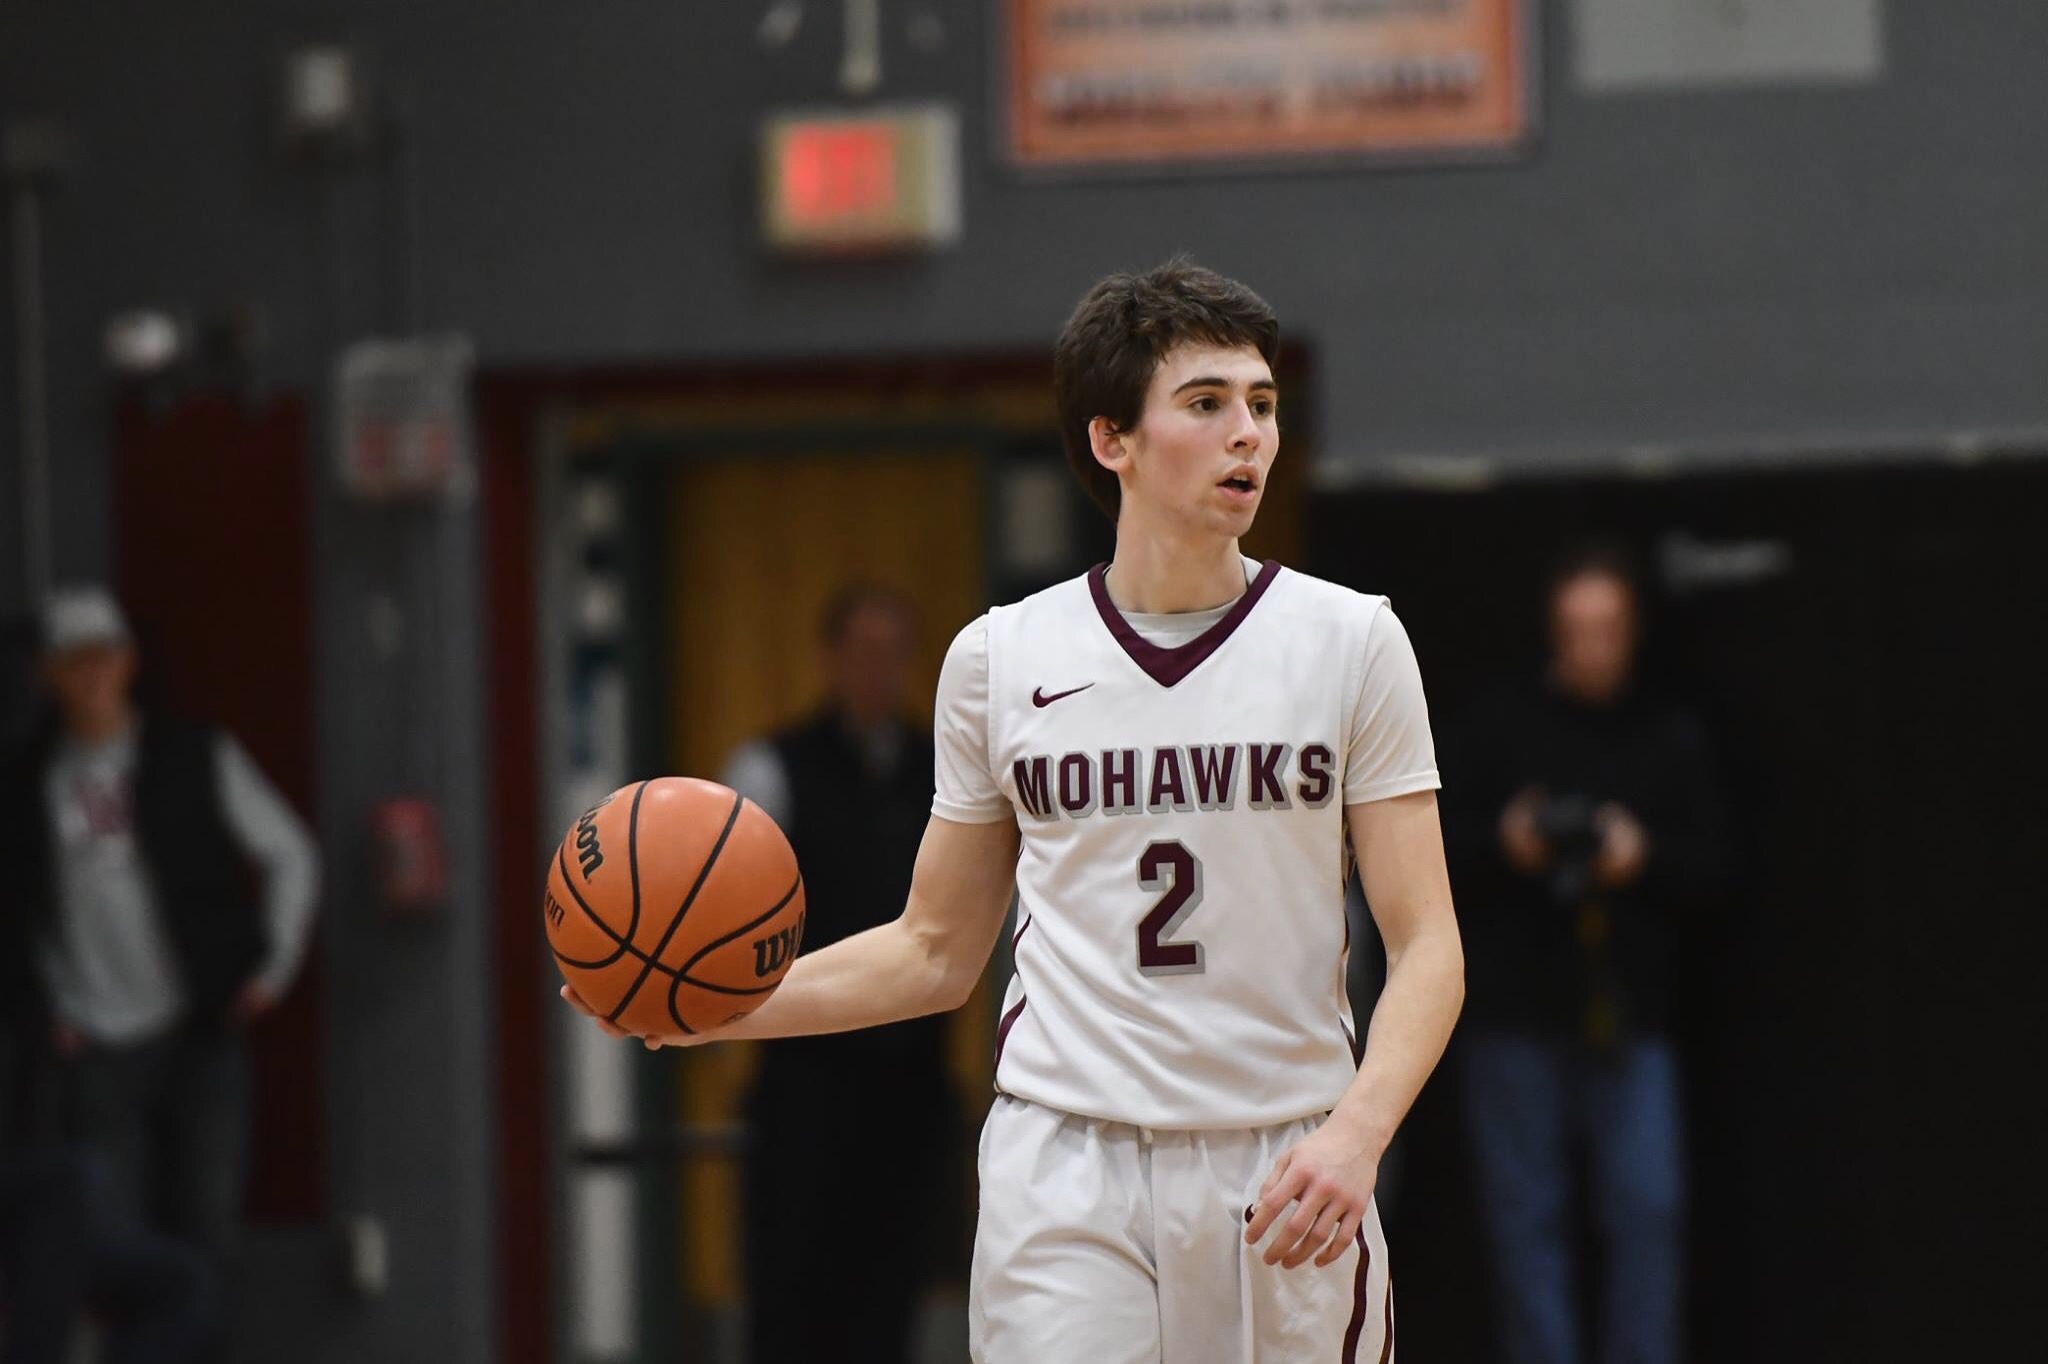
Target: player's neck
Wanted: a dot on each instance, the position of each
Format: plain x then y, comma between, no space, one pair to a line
1154,574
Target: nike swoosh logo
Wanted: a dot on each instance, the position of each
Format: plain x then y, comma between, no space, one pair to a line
1039,698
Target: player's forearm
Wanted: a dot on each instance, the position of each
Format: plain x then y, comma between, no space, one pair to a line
1411,1025
925,961
884,975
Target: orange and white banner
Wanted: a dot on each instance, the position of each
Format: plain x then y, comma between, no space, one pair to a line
1172,81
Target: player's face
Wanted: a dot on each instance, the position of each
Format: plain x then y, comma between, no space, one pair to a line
1593,636
1206,440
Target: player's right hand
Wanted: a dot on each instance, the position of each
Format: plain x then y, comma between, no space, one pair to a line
652,1043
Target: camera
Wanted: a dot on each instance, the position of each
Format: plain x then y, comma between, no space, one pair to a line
1568,826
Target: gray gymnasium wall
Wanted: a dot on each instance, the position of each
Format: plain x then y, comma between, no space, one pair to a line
1698,269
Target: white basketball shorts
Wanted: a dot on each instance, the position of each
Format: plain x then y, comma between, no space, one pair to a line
1101,1243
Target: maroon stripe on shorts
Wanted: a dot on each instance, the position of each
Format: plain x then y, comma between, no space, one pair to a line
1387,1350
1021,931
1003,1028
1359,1307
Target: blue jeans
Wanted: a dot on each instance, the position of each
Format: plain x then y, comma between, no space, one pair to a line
1528,1102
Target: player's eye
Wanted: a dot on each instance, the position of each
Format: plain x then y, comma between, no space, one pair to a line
1205,404
1264,407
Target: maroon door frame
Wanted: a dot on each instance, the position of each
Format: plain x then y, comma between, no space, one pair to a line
506,417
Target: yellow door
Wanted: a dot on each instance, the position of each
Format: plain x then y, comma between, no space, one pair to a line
757,543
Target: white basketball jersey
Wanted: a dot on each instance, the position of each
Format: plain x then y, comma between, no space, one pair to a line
1181,936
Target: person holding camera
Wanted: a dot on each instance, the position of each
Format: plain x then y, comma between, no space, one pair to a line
1584,820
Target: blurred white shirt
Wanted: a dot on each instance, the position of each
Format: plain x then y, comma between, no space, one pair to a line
112,972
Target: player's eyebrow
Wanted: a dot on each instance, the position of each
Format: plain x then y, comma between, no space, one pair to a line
1212,381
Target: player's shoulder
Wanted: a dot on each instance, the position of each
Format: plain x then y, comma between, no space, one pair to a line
1319,599
1061,601
970,645
1051,608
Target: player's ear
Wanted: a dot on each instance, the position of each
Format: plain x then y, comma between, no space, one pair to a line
1110,444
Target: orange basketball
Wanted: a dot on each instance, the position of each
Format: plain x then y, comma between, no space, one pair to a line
674,905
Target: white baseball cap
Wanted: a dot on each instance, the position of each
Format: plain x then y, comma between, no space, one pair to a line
83,614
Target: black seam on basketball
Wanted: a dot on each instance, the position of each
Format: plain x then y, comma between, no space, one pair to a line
708,948
675,1017
625,944
696,984
635,953
594,965
633,862
673,981
571,961
581,965
676,983
703,874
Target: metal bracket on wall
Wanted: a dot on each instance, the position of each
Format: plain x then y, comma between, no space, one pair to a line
860,62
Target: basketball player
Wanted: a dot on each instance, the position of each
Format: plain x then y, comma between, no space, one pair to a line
1171,760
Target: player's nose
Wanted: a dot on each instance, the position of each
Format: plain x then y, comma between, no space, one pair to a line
1245,432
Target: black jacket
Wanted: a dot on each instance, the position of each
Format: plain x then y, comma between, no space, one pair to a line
1526,966
205,889
856,834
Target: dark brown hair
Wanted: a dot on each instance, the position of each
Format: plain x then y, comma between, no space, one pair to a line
1112,345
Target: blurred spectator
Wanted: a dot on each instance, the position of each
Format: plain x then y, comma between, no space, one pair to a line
847,1130
131,839
1584,818
64,1253
63,1256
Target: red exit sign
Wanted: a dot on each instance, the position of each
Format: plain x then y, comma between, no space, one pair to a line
880,180
833,174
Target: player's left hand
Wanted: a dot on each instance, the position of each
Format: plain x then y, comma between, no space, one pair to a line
1328,1177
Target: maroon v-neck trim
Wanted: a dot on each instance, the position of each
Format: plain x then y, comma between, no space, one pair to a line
1162,664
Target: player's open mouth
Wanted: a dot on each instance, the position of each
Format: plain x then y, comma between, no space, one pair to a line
1242,485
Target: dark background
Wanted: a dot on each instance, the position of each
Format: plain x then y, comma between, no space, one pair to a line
1862,1011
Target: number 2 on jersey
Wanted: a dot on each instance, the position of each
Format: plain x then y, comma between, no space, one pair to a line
1169,867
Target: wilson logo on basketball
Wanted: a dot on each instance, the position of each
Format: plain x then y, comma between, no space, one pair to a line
588,855
774,951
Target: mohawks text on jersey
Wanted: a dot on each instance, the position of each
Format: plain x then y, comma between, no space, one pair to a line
1130,781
